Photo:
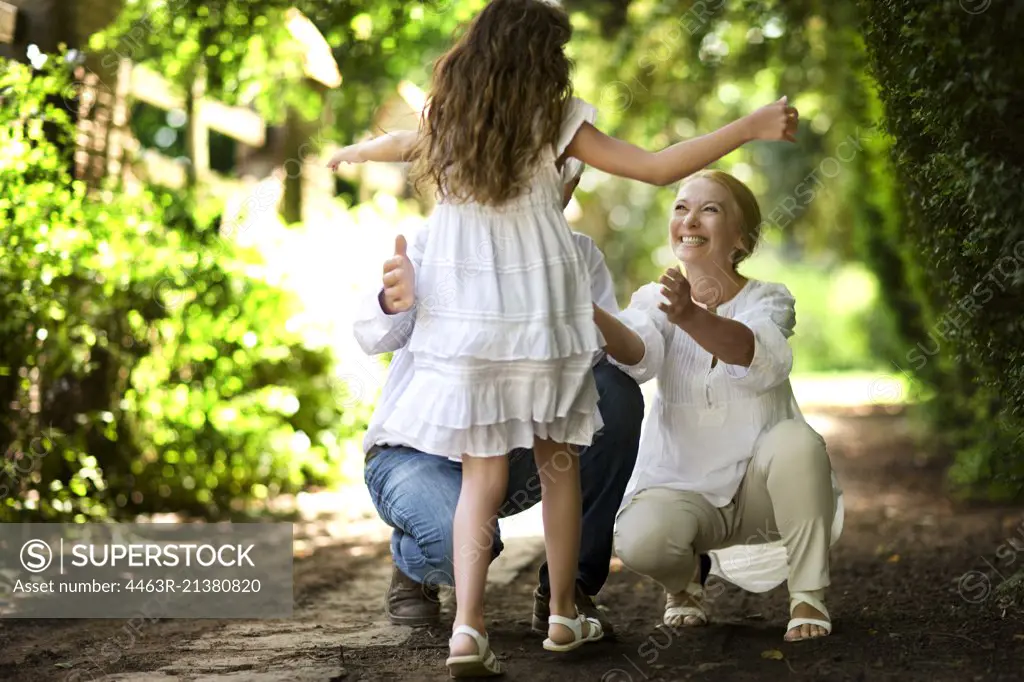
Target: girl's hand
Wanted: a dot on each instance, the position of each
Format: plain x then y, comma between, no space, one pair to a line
676,289
399,281
775,121
349,154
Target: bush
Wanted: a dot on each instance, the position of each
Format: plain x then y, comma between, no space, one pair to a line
954,108
148,371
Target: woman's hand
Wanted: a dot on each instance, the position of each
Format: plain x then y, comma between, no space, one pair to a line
676,288
399,281
349,154
775,121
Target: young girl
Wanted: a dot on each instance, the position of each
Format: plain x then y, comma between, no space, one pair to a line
504,333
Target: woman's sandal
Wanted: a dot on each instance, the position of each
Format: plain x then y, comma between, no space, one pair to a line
594,633
677,613
812,601
481,664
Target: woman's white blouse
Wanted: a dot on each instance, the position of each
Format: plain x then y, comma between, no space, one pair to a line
705,421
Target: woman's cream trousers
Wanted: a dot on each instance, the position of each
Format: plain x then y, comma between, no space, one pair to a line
786,494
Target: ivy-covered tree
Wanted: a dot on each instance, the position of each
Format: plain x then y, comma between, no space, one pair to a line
949,79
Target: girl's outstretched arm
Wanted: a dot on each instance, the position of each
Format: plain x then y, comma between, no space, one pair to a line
776,121
392,147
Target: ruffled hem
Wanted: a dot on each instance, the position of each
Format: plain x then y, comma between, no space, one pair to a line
493,440
503,341
460,396
492,409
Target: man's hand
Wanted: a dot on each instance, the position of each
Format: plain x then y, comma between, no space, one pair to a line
399,281
676,289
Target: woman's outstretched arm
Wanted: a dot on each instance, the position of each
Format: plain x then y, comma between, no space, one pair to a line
754,346
640,322
730,341
621,342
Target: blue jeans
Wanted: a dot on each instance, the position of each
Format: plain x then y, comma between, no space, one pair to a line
416,493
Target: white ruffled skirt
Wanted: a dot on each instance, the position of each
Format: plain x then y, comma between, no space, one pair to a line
504,338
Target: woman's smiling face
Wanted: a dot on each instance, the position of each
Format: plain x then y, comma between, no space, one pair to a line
705,225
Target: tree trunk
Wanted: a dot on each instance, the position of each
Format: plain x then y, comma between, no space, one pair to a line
197,135
296,129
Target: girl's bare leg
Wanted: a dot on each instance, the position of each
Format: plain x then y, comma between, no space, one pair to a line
562,502
484,486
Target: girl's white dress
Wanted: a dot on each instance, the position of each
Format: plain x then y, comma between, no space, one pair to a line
504,335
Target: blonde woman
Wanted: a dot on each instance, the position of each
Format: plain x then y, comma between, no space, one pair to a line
727,461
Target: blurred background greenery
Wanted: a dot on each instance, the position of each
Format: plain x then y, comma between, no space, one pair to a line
178,298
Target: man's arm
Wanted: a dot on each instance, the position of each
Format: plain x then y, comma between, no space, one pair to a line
377,332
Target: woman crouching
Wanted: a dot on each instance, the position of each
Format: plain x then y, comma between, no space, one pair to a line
726,458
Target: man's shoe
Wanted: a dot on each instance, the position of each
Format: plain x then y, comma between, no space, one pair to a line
584,603
411,603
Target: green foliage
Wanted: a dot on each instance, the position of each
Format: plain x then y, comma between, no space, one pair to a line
658,73
252,58
953,106
148,369
244,48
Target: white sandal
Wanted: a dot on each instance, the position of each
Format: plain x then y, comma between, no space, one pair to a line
594,634
481,664
812,601
676,614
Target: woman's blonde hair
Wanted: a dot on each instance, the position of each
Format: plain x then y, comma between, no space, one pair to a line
750,212
497,102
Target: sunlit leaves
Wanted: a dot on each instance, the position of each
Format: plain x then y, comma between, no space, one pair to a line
362,26
140,339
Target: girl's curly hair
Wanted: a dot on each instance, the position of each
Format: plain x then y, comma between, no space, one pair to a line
498,98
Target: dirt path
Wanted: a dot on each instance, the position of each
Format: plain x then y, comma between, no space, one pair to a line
914,598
